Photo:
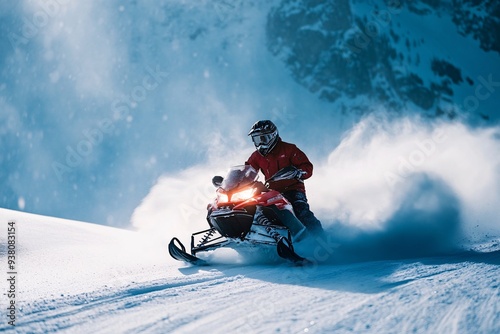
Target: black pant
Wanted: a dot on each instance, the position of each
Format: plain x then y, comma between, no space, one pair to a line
301,208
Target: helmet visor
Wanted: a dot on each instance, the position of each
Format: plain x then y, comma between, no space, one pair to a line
263,139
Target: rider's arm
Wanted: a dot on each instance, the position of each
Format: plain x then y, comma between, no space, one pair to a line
300,160
252,161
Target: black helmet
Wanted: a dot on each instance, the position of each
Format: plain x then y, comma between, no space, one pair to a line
264,136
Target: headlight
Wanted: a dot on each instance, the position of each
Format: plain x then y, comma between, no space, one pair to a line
222,198
243,195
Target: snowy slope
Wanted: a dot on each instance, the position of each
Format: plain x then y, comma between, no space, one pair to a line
82,278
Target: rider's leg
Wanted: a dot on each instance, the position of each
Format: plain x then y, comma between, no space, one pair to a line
301,208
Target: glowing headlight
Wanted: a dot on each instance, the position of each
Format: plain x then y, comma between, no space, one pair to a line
242,195
222,198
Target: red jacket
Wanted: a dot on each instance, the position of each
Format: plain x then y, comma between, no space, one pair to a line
282,155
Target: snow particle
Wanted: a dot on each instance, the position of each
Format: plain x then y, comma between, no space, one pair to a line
21,203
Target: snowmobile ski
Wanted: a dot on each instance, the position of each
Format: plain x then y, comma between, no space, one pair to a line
285,250
180,254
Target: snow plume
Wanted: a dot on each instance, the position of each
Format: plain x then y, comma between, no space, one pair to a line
403,187
394,187
176,205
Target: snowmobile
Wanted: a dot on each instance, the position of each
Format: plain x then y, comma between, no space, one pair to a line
245,212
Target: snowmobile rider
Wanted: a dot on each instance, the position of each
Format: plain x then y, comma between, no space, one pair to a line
271,155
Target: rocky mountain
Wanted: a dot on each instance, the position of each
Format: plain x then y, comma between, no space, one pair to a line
397,53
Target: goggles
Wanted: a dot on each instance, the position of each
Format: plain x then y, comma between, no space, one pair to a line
262,139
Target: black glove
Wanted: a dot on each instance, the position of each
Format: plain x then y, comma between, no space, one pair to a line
300,173
289,173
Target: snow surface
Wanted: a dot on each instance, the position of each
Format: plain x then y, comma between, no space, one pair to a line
77,277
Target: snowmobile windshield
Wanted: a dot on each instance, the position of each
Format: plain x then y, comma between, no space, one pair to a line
239,176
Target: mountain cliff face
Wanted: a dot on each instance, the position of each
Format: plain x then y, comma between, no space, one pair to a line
395,53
